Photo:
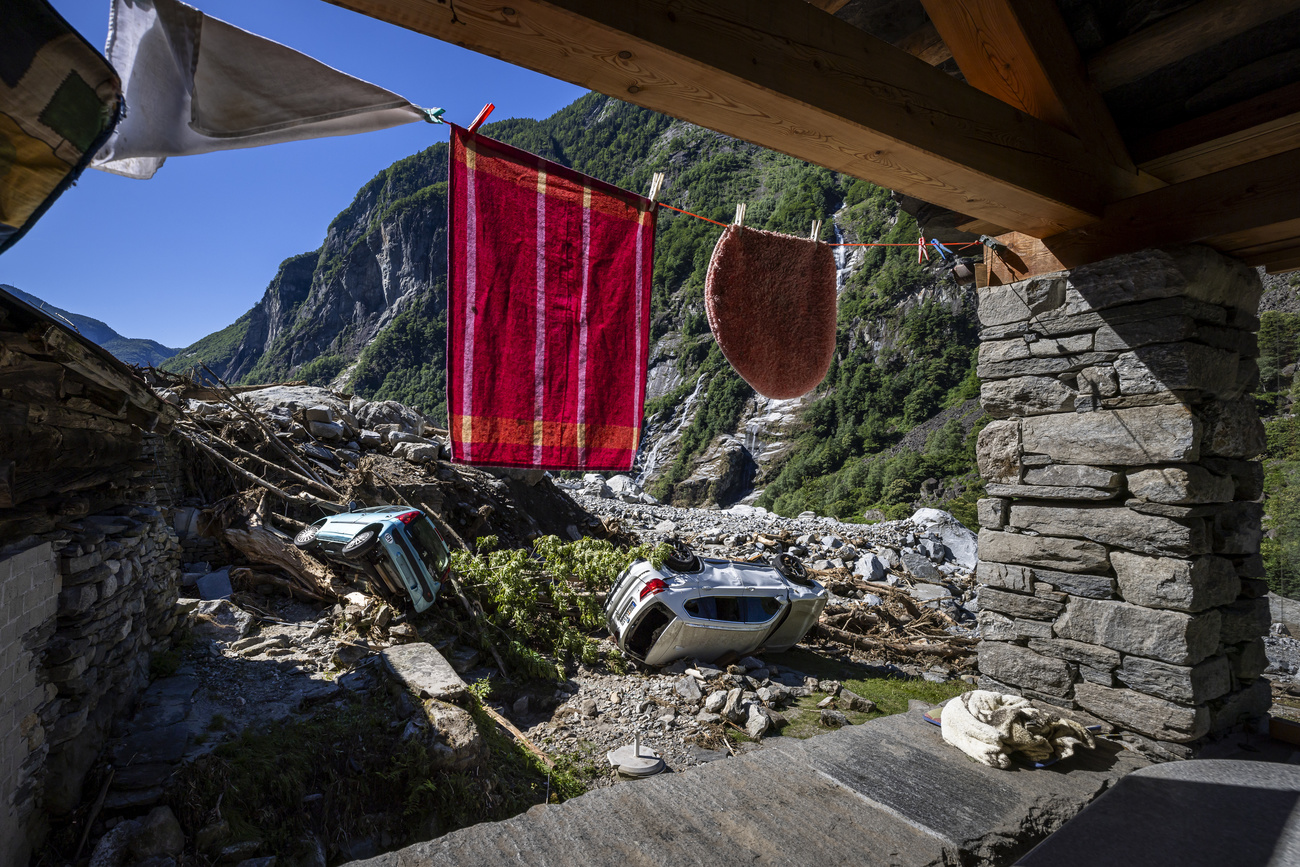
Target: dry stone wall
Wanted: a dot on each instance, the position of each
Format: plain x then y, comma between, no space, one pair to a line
85,608
1119,549
29,592
117,606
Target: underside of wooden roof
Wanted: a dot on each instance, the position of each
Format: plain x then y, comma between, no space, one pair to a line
1079,128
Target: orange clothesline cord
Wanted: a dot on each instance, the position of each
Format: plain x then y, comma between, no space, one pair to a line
724,225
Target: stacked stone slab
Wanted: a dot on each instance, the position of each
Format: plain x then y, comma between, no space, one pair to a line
1119,549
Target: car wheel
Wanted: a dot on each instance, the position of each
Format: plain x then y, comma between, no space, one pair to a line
792,568
306,536
683,559
362,543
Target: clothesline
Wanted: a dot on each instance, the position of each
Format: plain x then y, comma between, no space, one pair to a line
954,245
921,244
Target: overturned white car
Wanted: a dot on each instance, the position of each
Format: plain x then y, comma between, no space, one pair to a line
706,608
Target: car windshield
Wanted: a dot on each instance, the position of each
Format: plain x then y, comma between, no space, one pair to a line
427,543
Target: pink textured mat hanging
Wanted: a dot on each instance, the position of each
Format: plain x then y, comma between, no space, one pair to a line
548,311
770,300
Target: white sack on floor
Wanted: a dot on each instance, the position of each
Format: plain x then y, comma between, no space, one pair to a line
991,727
194,84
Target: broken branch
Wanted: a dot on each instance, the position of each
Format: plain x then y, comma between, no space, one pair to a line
518,735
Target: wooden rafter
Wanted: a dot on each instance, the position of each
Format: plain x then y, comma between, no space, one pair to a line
787,76
1250,130
926,44
831,6
1179,36
1229,210
1021,52
1259,245
1290,261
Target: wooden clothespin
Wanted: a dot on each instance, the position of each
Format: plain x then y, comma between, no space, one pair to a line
656,184
816,230
740,215
482,116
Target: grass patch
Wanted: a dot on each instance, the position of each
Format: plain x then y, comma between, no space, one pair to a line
347,773
890,694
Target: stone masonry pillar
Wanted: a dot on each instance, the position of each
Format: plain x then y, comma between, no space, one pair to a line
1119,550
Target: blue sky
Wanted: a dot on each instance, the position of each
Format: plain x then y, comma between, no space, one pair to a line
186,253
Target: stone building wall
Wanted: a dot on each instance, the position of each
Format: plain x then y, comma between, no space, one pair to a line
117,607
1119,550
100,595
29,593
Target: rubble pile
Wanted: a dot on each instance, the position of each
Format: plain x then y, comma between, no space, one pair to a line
312,452
682,711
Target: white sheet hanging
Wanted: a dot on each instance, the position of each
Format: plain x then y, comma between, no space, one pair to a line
194,84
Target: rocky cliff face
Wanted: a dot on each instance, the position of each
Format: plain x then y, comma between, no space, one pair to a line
322,308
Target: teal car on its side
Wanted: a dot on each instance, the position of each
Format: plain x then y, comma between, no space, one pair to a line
398,547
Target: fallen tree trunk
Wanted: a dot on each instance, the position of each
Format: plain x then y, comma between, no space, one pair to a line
261,545
303,497
861,642
293,587
297,477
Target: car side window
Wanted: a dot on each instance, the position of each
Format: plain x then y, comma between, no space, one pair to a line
735,609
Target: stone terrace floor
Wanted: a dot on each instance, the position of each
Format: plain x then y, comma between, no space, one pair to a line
889,791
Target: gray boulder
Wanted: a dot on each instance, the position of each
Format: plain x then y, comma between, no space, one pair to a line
920,567
417,453
688,689
960,542
221,619
326,430
871,567
390,412
160,834
215,585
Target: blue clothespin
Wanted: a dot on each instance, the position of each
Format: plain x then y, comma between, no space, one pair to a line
433,115
943,251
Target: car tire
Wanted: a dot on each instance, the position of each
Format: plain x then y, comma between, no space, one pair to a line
306,537
683,559
792,568
362,543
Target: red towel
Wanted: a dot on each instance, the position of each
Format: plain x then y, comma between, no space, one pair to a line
548,312
770,300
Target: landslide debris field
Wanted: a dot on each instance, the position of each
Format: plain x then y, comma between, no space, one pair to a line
306,717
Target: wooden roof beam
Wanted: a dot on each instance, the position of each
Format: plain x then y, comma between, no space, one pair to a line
831,6
1227,209
1021,52
926,44
1285,262
785,75
1179,36
1256,128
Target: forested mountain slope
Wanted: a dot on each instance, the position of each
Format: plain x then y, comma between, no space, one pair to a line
367,312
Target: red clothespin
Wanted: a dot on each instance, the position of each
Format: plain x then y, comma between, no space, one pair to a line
921,251
482,116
